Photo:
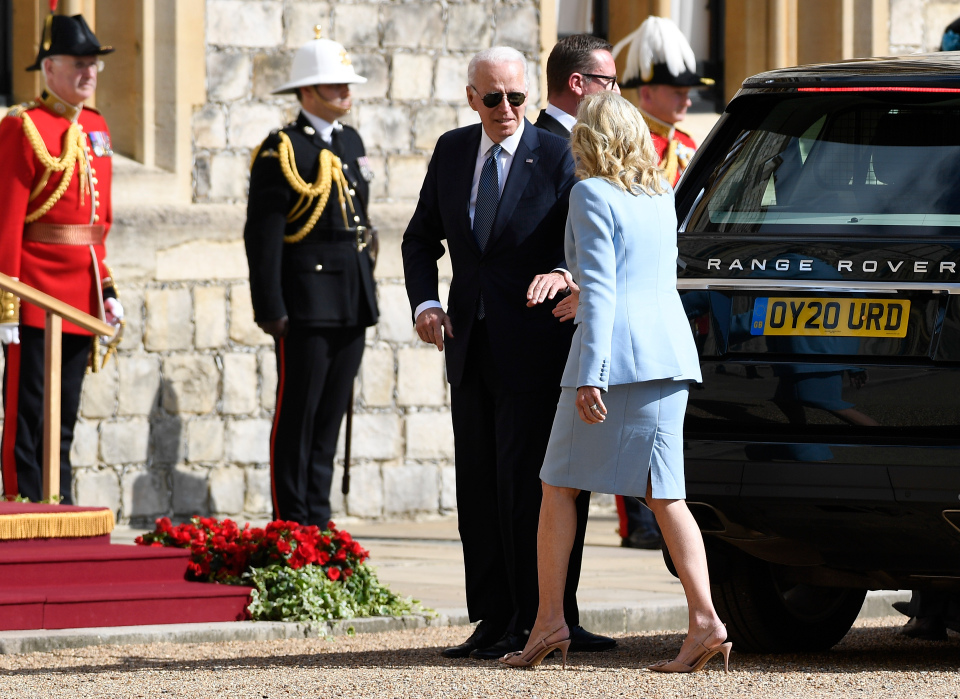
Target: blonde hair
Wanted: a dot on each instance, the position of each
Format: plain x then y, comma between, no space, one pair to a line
611,141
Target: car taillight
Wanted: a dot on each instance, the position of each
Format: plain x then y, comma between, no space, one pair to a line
878,89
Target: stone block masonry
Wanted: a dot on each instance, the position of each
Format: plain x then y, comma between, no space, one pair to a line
179,424
414,54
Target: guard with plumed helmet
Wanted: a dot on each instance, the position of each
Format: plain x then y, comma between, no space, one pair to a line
661,64
311,253
55,214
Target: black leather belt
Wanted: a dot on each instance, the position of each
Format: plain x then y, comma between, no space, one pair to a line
359,236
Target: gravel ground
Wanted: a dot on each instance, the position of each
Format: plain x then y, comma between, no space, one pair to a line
872,661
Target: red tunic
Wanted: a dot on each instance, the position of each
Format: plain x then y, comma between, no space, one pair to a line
685,149
65,272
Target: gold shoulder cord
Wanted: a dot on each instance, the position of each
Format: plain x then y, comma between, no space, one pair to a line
73,153
669,163
331,170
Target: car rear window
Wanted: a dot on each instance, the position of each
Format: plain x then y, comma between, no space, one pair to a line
843,163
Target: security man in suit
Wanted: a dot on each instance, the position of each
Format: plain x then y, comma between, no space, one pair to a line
55,214
661,63
497,193
578,65
308,246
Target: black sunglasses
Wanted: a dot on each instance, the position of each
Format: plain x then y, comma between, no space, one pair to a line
492,99
611,79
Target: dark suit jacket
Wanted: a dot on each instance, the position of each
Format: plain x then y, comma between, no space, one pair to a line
529,345
548,123
322,280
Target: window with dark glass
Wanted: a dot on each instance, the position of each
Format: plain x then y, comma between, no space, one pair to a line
846,164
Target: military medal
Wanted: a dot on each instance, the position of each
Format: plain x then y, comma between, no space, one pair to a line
365,170
100,141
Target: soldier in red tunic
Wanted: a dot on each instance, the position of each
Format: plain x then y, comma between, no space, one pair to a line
55,214
661,64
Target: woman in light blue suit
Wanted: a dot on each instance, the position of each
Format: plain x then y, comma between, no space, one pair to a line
619,423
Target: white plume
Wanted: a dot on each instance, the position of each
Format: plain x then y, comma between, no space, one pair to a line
657,40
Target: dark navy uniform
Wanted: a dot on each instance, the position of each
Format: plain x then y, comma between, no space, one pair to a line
311,265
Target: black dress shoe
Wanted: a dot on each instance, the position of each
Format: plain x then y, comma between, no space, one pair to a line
929,629
642,540
902,606
483,636
582,641
508,643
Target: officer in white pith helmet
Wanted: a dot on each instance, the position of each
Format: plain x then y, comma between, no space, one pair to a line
308,241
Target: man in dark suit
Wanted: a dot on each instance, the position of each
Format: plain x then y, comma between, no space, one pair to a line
311,275
578,66
497,192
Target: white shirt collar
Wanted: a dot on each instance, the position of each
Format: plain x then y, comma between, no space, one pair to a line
324,128
509,144
568,121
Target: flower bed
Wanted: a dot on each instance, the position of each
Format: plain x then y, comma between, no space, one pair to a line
299,573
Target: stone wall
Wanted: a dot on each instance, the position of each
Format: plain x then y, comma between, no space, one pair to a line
179,424
414,55
917,25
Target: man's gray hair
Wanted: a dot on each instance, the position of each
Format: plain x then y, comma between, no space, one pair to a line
496,56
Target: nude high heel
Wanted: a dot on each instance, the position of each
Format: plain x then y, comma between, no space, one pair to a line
700,660
540,651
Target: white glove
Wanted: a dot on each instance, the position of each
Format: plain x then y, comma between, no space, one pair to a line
113,311
10,333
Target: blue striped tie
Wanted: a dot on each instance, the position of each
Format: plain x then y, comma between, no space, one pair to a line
488,199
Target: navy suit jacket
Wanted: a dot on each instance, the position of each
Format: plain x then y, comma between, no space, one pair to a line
529,345
548,123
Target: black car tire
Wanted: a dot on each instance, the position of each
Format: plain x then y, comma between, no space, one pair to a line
766,613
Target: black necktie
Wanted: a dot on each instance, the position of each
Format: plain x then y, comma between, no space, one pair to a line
485,211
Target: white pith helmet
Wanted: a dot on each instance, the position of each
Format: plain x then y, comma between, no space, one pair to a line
320,62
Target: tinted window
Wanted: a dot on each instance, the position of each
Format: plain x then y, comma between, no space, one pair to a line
847,164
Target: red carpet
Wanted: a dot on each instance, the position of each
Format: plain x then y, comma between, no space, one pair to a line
83,581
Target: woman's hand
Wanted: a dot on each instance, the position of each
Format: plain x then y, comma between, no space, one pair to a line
567,309
590,405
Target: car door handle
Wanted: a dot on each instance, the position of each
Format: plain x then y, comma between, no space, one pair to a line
821,285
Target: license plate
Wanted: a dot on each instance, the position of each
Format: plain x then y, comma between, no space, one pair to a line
830,317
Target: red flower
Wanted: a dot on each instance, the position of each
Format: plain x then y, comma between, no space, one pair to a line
333,573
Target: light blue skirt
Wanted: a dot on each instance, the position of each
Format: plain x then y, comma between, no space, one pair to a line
643,434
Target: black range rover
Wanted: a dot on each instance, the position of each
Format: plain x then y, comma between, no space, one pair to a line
820,269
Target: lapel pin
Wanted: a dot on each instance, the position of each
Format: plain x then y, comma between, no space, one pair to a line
529,160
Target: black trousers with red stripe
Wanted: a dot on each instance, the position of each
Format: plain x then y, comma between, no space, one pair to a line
315,372
22,445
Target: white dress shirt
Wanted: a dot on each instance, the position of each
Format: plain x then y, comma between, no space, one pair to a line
324,128
566,120
510,145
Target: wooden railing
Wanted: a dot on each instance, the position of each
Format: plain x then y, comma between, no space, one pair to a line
56,311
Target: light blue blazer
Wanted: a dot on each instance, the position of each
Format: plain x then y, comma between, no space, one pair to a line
622,251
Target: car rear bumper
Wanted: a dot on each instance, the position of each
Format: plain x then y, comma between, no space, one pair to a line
873,515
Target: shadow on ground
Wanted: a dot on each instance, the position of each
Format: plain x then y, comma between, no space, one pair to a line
862,650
